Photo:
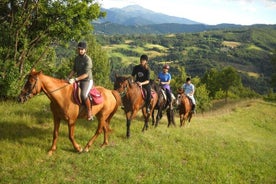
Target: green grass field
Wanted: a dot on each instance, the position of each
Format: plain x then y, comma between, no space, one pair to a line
234,143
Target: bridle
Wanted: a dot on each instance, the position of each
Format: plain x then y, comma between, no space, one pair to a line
34,86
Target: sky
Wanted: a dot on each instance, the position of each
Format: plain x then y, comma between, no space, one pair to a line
212,12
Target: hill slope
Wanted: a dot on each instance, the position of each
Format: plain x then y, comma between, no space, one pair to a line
233,144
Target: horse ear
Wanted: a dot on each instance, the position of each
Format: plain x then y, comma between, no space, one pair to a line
33,70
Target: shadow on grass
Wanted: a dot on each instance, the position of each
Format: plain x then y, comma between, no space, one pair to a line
18,131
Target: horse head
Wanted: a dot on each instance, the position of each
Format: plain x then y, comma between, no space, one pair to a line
121,83
31,88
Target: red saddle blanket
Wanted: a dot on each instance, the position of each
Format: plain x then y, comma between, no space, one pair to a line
94,95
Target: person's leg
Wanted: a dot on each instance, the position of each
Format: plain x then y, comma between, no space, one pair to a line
85,88
148,97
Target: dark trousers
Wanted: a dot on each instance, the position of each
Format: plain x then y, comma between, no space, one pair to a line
169,96
148,96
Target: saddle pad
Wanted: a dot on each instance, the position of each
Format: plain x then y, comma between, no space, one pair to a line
96,96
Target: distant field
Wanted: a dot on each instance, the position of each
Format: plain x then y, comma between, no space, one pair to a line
231,44
233,143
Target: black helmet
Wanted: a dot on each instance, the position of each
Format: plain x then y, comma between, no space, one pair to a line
144,57
82,45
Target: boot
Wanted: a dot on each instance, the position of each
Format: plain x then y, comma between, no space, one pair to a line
89,108
193,108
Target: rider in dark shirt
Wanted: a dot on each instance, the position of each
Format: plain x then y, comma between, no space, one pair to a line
141,73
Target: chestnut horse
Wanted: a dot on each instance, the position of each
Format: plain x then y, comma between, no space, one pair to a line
133,100
184,107
63,106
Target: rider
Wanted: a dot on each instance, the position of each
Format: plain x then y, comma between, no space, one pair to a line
164,78
83,69
189,90
141,73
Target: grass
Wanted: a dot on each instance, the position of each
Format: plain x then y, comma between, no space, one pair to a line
234,143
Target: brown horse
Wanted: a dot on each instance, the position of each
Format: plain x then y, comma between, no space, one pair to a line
133,101
64,107
185,107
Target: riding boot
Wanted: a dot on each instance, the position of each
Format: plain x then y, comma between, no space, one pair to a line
89,108
193,108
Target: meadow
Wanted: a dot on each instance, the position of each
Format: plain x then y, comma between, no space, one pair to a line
232,143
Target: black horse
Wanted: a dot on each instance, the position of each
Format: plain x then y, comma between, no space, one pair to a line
162,104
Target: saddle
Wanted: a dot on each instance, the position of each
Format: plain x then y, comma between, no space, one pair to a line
144,93
94,95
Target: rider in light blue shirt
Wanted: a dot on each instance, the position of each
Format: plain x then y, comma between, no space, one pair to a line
189,90
164,78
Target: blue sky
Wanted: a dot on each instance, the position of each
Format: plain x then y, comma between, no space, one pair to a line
245,12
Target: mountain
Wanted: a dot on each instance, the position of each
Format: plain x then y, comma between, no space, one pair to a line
135,19
135,15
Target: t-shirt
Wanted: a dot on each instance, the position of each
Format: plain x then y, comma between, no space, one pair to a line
165,77
188,88
83,65
140,73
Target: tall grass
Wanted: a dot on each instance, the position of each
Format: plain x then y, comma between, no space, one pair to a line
235,143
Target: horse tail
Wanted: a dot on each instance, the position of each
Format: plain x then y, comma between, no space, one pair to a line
117,97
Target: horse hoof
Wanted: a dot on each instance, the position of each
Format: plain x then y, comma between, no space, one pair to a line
86,150
50,153
80,150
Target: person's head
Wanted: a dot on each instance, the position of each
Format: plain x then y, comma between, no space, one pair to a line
82,48
188,80
166,68
143,59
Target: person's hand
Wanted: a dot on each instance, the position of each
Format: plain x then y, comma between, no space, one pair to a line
72,80
139,84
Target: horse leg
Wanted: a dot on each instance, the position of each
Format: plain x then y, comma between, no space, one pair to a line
181,120
153,118
128,128
146,120
94,137
71,129
55,135
168,117
172,117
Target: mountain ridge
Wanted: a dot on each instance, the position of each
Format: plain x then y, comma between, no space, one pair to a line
134,15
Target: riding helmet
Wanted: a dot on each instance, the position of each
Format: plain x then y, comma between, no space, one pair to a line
82,45
166,66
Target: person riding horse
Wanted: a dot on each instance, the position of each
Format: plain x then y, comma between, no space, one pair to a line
189,90
141,73
164,79
83,68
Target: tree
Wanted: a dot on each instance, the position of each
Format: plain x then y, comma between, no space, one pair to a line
210,78
228,78
273,76
30,28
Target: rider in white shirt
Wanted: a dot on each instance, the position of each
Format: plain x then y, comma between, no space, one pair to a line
189,90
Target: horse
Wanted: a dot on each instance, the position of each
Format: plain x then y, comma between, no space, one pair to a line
64,107
161,105
184,105
133,100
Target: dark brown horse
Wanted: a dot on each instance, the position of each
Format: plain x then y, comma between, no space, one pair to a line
162,105
133,100
184,107
64,107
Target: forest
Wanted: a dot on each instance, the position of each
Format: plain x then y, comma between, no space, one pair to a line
248,49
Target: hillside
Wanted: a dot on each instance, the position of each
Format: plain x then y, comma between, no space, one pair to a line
232,144
248,49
